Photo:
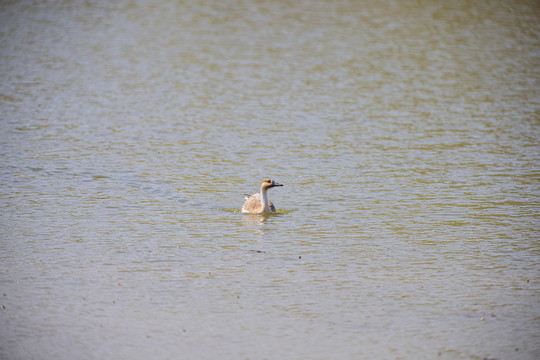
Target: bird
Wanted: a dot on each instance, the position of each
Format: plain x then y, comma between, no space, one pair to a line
259,203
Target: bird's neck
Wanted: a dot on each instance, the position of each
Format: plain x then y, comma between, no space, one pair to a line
264,200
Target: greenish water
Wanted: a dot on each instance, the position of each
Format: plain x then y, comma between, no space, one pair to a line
405,134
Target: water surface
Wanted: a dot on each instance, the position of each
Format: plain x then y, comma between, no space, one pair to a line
405,133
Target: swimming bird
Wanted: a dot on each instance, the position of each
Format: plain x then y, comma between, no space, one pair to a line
259,203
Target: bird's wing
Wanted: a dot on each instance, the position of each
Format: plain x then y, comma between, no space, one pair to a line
252,202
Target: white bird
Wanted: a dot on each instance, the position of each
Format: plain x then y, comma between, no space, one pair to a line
259,203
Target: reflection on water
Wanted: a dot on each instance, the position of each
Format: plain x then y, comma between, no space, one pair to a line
255,223
406,132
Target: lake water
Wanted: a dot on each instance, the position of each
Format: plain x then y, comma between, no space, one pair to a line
406,134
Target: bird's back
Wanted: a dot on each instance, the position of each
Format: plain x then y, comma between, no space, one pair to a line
252,204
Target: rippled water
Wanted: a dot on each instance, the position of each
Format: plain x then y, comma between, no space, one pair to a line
406,134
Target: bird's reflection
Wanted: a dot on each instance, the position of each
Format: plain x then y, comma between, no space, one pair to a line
256,222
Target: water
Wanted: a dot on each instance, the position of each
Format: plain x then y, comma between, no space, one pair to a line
405,133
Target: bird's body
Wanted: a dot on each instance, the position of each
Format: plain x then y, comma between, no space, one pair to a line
259,203
252,204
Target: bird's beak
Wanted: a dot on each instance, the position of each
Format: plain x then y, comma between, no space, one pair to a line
277,184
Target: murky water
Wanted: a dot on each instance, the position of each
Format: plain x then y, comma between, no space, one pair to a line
406,134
